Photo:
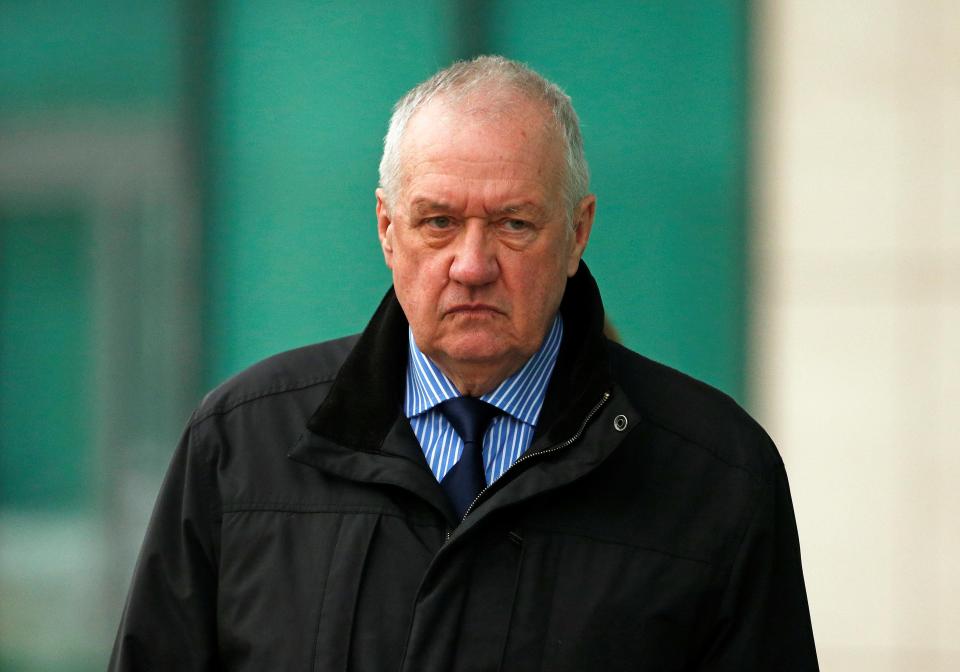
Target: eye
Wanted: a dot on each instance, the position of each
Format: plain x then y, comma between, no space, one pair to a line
438,222
516,225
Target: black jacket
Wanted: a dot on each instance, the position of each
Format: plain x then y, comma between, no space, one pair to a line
648,527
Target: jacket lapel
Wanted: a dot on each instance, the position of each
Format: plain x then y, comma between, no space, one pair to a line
400,463
359,432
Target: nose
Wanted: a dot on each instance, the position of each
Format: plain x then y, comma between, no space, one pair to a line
475,260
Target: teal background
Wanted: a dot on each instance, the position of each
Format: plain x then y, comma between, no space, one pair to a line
57,53
121,303
44,262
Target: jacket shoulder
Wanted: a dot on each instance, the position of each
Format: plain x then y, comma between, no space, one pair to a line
695,411
288,371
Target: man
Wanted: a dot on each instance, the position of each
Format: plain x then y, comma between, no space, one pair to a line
480,480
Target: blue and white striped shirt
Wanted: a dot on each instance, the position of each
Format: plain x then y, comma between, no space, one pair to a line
520,397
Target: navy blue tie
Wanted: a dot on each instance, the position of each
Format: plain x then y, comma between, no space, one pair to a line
470,418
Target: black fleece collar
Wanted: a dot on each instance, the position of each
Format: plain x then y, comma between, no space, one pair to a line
367,395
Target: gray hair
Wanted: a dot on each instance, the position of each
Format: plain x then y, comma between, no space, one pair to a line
483,72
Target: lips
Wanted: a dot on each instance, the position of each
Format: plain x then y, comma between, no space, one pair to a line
473,309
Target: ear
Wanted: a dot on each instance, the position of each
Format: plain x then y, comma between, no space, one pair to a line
583,223
384,228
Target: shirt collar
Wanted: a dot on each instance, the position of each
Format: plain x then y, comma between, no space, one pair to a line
521,395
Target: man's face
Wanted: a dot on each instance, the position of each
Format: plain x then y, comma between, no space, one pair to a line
478,239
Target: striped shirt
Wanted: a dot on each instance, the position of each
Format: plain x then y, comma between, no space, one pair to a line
520,397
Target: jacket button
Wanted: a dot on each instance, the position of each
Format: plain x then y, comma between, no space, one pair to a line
620,423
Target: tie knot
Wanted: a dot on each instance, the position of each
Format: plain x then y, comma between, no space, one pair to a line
469,416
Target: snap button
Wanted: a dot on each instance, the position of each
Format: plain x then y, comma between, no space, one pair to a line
620,423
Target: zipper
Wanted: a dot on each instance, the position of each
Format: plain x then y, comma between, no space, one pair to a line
552,449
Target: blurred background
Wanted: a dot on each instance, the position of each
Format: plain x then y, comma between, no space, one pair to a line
187,187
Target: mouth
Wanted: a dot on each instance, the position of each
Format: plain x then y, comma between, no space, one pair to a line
474,310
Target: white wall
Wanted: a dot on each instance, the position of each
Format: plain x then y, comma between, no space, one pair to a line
856,363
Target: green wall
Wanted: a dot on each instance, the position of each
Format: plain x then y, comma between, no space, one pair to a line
61,64
45,359
58,54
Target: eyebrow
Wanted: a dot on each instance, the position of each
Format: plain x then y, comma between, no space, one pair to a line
525,207
422,205
425,205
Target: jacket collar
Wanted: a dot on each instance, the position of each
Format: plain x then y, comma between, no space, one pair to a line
367,395
361,420
582,372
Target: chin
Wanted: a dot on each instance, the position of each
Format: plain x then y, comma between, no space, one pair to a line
476,348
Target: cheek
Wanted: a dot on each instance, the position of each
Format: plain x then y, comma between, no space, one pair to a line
418,280
538,287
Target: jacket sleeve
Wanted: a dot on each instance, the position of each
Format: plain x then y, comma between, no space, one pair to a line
169,620
764,620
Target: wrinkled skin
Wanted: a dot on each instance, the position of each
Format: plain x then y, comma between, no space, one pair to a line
478,239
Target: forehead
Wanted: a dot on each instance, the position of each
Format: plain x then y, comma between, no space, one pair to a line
512,140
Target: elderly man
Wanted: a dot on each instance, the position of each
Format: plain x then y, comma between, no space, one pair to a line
480,480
